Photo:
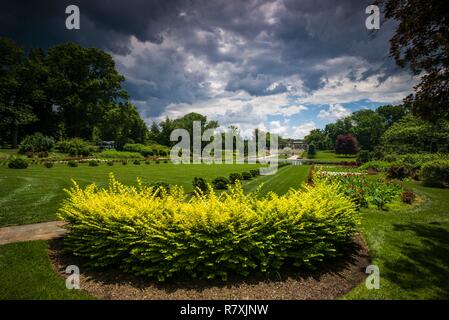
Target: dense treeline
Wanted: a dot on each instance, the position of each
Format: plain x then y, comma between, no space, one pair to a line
68,91
386,129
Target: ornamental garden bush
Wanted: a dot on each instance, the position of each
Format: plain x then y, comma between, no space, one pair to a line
246,175
233,177
75,147
254,172
93,163
18,163
72,163
200,184
36,143
220,183
136,162
207,236
110,163
48,164
435,173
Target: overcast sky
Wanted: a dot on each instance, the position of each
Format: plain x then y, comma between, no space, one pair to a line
284,65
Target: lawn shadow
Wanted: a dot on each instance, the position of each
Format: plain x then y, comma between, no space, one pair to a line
422,265
334,278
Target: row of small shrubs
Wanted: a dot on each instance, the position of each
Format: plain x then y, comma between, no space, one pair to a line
150,232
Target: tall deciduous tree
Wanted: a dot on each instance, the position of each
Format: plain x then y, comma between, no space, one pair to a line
83,84
421,42
15,110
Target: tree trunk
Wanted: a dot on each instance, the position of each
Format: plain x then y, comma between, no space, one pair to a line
15,134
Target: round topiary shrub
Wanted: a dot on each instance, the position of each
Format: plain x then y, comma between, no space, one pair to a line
157,161
254,172
136,162
124,162
18,163
110,163
48,164
93,163
220,183
160,188
246,175
72,164
147,162
165,161
233,177
200,183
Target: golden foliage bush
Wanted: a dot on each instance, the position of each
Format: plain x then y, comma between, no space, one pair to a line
148,231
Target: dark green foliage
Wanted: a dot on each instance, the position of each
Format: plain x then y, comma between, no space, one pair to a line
160,187
157,162
110,163
72,164
136,162
75,147
93,163
48,164
399,172
147,162
220,183
254,172
124,162
36,143
311,151
435,173
363,156
233,177
18,163
246,175
200,183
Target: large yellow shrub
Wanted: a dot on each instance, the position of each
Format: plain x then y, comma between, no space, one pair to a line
150,232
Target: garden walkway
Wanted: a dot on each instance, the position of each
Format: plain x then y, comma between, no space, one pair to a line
28,232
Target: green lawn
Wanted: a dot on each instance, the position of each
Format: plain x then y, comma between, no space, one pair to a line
34,194
26,273
410,246
411,249
331,156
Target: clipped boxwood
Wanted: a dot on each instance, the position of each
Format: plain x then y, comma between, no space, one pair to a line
136,162
233,177
72,164
246,175
254,172
48,164
220,183
93,163
200,183
110,163
18,163
206,237
435,173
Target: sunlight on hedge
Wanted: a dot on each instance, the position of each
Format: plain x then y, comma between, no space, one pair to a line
147,231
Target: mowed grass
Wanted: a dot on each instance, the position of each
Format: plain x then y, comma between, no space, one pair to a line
35,194
411,249
331,156
26,273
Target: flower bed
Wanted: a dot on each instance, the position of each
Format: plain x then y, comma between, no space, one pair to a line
147,231
362,190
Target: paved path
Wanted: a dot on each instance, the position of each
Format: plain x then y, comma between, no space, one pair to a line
28,232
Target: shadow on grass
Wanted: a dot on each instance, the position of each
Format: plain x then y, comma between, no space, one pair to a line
340,274
423,264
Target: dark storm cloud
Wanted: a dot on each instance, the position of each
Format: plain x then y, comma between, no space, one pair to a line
271,41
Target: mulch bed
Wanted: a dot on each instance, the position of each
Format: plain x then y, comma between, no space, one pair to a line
333,280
